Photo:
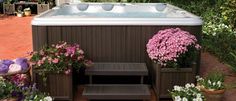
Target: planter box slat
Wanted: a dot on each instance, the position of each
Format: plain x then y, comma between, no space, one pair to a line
58,85
165,79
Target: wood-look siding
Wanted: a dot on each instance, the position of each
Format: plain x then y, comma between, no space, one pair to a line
104,43
58,85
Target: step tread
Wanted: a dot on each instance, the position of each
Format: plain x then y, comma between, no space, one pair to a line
117,91
118,69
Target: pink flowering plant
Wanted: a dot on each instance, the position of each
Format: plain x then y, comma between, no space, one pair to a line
172,47
58,58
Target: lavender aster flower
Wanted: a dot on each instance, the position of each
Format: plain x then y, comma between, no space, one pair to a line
7,62
3,68
23,63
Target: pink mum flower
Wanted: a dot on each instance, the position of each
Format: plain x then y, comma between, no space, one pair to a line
167,45
56,60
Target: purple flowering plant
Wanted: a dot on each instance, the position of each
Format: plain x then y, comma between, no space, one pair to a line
61,57
173,47
12,88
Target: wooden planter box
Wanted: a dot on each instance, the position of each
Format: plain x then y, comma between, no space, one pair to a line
165,78
42,7
8,8
58,85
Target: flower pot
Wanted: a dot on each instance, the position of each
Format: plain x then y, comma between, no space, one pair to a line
58,85
213,95
27,13
164,78
19,14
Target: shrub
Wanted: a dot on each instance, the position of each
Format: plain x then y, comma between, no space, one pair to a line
229,12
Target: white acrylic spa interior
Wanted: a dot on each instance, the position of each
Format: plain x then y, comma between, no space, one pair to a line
116,14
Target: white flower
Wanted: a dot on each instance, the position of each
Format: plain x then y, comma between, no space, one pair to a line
1,78
177,98
200,79
48,98
13,68
197,99
35,97
199,95
184,99
192,85
219,83
177,88
214,83
187,85
209,81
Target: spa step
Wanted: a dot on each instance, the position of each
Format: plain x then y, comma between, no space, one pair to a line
118,69
117,92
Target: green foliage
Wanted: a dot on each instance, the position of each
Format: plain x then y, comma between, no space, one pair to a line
6,88
214,80
232,64
219,35
31,93
229,12
187,93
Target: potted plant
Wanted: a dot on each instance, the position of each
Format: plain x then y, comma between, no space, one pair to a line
53,66
174,53
187,93
9,91
212,86
27,11
15,88
31,93
8,7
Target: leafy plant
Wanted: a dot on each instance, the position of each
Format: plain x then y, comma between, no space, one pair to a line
187,93
213,81
31,93
233,64
229,12
58,58
7,89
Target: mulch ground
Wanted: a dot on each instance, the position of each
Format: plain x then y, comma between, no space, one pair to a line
16,41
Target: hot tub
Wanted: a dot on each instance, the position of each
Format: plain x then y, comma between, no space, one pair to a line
111,32
116,32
